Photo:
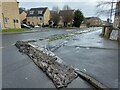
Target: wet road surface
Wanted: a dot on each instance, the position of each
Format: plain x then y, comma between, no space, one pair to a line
20,72
93,55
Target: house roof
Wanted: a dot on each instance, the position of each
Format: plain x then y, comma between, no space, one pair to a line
36,11
62,12
22,10
92,18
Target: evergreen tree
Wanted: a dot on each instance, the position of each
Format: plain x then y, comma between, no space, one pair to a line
78,18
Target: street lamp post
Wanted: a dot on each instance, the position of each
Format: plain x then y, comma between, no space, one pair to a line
41,22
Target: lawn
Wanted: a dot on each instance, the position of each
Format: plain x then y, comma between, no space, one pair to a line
15,30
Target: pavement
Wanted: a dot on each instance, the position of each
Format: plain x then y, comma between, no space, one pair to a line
89,52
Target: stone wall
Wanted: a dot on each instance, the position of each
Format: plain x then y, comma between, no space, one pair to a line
1,15
119,35
108,32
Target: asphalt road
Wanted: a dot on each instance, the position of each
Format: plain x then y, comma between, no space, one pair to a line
93,55
89,52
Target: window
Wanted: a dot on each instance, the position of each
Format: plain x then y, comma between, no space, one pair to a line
6,20
39,12
31,12
17,21
13,20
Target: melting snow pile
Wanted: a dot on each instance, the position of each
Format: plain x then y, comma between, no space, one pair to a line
59,73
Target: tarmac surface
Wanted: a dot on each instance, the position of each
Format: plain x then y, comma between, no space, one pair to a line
89,52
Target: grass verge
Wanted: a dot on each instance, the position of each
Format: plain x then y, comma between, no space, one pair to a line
61,36
15,30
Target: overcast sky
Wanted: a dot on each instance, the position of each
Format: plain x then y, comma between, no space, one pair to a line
88,7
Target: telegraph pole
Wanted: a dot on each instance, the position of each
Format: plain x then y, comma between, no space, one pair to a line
111,12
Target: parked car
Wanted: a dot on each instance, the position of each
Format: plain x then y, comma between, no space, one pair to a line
37,26
31,25
45,25
25,26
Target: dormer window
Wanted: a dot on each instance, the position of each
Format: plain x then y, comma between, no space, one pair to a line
31,12
39,12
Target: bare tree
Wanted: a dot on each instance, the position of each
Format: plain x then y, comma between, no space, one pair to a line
106,8
67,15
56,9
66,7
55,17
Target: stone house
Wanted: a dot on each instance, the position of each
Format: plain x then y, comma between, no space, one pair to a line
117,16
9,14
23,14
93,21
34,14
0,15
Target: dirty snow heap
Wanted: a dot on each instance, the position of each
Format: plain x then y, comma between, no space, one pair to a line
59,73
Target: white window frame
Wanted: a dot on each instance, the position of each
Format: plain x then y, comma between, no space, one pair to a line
31,12
40,11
